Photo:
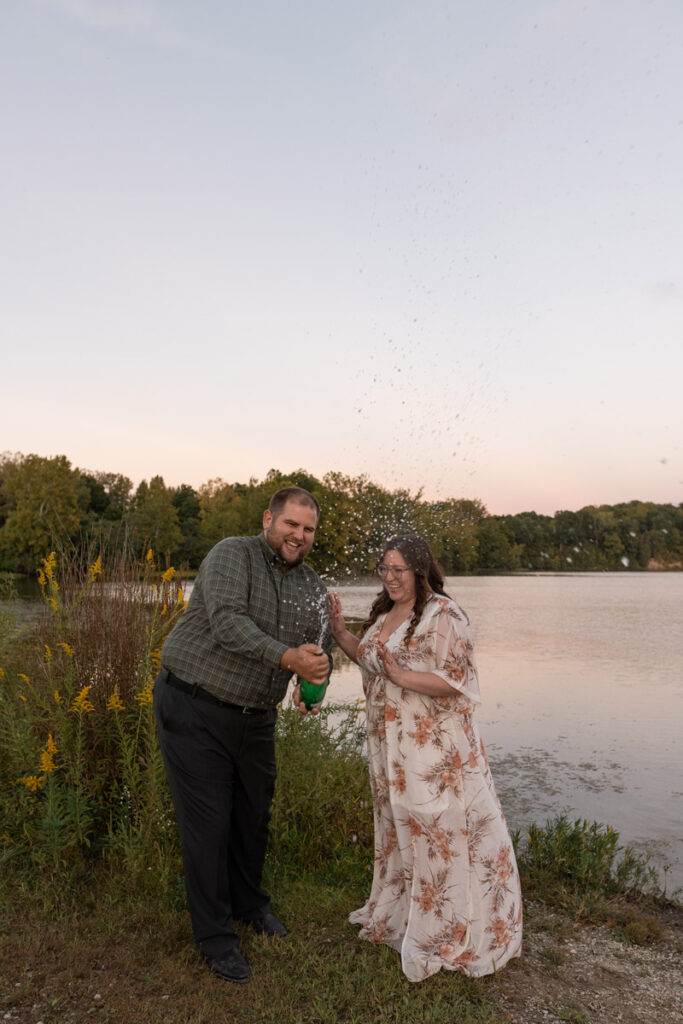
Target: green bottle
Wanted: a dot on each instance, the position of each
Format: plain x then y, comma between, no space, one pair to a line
312,694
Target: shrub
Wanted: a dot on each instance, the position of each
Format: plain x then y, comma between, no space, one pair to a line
578,862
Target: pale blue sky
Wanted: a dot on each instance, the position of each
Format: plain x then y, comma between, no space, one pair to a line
437,243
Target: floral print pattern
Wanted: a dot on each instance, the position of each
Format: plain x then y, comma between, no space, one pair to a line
445,891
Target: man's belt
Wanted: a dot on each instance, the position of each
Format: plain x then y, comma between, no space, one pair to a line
201,694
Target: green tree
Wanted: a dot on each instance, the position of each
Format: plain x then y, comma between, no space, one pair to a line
155,518
497,550
452,529
220,511
186,502
44,501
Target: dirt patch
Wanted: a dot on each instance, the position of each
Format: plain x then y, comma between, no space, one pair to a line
594,974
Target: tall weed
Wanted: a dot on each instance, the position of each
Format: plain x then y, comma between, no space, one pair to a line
81,771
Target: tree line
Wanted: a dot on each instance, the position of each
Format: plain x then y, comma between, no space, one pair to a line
46,503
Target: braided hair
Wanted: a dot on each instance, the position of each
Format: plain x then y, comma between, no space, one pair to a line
428,580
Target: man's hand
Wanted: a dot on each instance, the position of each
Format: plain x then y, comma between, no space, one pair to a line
308,661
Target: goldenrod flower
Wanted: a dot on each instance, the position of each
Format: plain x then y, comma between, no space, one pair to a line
41,578
144,697
47,763
115,703
58,699
81,703
23,676
95,569
164,609
179,598
53,604
32,782
67,649
150,555
49,564
167,576
21,697
48,652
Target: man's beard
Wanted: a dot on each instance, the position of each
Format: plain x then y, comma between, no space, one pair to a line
287,561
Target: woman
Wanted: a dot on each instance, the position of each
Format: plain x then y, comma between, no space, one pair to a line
445,891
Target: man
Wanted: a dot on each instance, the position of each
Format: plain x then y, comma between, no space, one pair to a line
257,614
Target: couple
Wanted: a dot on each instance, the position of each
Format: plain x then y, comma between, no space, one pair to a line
445,891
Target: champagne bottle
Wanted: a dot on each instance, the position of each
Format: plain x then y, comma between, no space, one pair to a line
312,694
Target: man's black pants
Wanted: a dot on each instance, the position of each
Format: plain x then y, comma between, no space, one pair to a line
221,771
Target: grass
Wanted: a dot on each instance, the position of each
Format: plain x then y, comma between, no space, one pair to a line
134,961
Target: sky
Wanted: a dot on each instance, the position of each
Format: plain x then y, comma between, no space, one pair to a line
438,244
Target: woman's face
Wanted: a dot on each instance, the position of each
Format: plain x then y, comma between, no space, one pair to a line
398,579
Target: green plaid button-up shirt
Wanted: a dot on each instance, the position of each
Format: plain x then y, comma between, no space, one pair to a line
243,614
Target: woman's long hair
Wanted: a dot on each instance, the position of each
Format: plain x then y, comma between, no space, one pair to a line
428,580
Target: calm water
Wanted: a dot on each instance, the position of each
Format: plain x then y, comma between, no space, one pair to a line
582,689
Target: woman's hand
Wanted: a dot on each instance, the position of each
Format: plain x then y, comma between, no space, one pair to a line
392,669
346,640
337,622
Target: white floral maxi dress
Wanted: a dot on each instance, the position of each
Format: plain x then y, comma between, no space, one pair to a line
445,891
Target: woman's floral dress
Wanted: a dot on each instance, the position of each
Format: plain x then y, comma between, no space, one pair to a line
445,891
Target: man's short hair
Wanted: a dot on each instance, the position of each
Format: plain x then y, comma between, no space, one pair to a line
297,494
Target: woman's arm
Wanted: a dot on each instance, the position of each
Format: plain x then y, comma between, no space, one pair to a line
409,679
342,636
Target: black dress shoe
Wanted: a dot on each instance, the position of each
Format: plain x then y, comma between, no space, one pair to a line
231,966
268,924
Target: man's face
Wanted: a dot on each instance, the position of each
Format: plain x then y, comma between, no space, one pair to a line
291,533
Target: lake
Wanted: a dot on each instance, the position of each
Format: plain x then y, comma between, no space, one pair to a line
582,698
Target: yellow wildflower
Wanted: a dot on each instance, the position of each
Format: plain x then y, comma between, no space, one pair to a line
47,763
2,672
41,578
95,569
144,697
150,555
81,703
58,699
49,564
179,598
48,652
164,609
32,782
53,604
21,697
23,676
67,649
115,703
167,576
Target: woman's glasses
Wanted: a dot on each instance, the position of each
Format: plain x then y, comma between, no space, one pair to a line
384,570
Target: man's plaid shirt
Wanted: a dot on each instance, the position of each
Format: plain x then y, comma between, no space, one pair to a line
243,614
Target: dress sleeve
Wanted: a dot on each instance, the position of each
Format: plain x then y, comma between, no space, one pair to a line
454,651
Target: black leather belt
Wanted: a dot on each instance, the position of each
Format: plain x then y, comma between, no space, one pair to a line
196,691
